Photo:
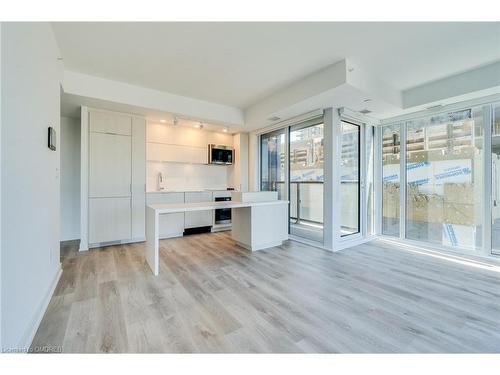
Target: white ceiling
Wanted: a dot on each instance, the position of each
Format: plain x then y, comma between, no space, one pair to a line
238,64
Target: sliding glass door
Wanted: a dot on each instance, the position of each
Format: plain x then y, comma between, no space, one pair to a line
350,179
273,148
306,180
293,163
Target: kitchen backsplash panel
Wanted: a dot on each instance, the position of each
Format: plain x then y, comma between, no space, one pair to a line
180,176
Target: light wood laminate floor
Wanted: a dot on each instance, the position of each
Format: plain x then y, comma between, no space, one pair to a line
213,296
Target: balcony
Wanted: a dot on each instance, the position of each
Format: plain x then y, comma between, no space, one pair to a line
306,208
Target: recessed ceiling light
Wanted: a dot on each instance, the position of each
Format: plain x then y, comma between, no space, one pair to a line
163,121
224,130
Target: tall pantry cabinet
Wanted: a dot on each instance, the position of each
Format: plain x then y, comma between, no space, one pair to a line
116,177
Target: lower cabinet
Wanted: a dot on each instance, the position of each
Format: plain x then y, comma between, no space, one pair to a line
173,225
169,225
198,218
109,219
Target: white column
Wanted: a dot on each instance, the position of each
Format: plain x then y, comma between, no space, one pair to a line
152,240
331,200
84,179
253,162
402,181
377,181
487,203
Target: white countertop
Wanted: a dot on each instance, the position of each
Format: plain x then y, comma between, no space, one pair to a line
186,191
202,206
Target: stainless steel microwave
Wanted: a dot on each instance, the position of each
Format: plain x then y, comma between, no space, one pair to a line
218,154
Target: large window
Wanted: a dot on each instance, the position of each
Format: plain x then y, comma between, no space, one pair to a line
350,179
390,179
444,194
443,174
306,181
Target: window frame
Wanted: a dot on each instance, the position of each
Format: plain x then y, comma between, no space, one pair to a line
360,183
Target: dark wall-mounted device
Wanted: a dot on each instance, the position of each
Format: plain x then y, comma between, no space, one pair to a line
52,138
218,154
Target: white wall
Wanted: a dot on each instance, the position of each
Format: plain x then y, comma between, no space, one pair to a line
70,178
30,178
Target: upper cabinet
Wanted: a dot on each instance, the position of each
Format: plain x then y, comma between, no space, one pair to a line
111,123
167,143
186,136
177,153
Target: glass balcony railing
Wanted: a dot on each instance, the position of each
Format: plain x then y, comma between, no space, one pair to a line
306,206
306,202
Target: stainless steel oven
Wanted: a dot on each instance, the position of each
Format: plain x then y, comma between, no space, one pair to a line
222,215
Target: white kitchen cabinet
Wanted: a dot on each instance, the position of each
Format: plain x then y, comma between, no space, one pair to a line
170,225
198,218
187,136
138,177
114,162
177,153
110,165
109,122
109,219
221,194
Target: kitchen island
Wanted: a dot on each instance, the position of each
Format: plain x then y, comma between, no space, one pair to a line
259,221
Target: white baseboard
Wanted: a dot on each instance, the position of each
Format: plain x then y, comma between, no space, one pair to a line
113,243
307,242
346,243
30,333
259,246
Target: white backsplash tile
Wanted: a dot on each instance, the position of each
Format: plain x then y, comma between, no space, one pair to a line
180,176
